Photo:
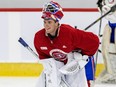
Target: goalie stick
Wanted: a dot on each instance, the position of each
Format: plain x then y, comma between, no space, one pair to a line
21,41
27,46
113,8
77,67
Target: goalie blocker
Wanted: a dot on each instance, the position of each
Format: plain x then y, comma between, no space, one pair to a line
74,64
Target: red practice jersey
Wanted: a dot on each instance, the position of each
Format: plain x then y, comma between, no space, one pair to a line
68,39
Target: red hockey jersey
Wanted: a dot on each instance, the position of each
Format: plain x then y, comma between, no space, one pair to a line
67,40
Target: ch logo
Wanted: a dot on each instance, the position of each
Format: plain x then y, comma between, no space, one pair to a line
58,54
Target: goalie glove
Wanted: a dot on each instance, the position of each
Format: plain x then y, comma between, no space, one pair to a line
74,65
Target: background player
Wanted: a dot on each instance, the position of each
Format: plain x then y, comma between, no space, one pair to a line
108,42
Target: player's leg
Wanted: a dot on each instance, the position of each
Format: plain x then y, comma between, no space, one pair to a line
105,76
75,71
51,70
78,79
41,81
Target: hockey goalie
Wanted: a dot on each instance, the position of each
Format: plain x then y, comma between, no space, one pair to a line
63,50
108,42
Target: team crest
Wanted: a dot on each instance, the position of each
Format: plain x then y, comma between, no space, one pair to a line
58,54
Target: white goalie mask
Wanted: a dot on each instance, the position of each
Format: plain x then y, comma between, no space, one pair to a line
110,2
105,6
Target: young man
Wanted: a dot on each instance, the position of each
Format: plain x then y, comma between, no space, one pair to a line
60,41
108,42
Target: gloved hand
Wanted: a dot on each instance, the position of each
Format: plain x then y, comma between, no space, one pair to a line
75,63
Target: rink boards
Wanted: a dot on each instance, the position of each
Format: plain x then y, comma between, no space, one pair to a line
29,69
20,69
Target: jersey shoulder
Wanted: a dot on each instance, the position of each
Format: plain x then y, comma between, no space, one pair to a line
40,33
67,29
40,36
66,26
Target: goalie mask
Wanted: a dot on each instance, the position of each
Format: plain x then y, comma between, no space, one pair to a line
52,10
104,6
102,3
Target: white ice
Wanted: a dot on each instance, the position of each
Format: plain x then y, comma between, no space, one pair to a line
105,85
31,82
18,81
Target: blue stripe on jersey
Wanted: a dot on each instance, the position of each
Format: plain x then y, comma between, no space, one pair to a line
90,69
112,36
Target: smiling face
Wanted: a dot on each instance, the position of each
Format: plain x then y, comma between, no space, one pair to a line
50,26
